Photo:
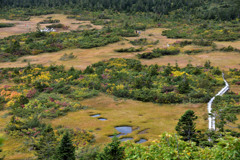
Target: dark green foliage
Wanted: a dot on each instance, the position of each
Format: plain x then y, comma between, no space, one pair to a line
66,150
50,21
207,64
229,49
143,42
38,42
2,25
226,108
67,57
1,144
186,126
159,52
194,51
46,147
87,153
113,151
184,86
131,49
88,70
56,26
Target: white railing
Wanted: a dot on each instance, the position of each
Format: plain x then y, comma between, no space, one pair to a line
211,116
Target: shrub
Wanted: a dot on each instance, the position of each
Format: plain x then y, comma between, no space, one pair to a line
113,151
193,51
56,26
131,49
2,25
50,21
88,152
159,52
143,41
67,57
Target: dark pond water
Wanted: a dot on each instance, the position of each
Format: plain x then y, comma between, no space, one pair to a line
124,129
95,115
126,139
142,140
102,119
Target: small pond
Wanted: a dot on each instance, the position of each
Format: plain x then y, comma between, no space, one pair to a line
102,119
142,140
124,129
95,115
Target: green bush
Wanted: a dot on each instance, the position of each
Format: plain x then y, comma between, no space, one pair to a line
3,25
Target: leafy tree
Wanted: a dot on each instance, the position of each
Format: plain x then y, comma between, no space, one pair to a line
66,150
45,149
186,126
113,151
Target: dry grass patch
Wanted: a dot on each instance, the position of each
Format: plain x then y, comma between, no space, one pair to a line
29,26
154,117
85,57
224,60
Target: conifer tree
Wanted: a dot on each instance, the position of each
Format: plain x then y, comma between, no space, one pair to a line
45,149
184,86
113,151
66,150
186,126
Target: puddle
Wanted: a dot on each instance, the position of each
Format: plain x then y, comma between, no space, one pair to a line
102,119
142,140
124,129
126,139
95,115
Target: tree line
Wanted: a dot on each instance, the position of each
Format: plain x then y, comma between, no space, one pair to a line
207,9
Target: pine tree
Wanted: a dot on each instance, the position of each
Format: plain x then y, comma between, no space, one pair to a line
112,151
66,150
184,86
186,126
45,149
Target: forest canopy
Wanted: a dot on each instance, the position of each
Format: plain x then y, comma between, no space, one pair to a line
205,9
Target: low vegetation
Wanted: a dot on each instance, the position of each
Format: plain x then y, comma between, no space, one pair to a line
3,25
158,52
131,49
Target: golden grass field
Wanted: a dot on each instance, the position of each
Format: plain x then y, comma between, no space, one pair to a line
85,57
140,115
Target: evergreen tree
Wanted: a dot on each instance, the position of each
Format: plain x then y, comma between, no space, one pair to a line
186,126
112,151
66,150
45,149
184,86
